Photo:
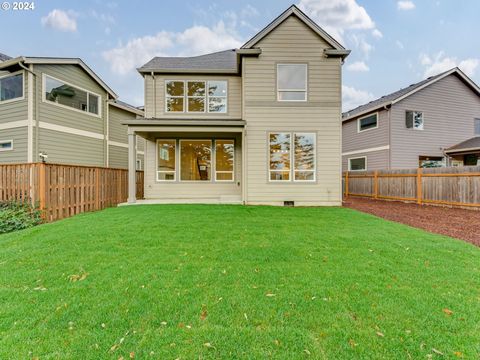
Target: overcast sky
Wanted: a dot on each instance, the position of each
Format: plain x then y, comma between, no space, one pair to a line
394,43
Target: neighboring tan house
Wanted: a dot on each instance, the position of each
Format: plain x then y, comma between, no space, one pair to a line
255,125
61,108
422,125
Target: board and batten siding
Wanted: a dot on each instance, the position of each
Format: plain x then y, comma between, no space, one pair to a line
155,97
376,160
449,108
19,152
16,110
191,190
293,42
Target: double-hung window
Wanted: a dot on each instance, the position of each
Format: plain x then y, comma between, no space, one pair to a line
414,120
11,87
224,160
195,96
292,82
292,156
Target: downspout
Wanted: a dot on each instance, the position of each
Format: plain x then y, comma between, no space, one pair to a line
31,97
106,132
154,92
388,109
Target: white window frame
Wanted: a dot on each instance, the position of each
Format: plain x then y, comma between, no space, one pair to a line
45,100
413,124
23,86
293,90
292,169
157,172
180,162
359,130
216,96
6,142
356,158
215,161
187,97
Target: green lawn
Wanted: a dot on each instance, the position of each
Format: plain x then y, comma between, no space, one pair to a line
210,282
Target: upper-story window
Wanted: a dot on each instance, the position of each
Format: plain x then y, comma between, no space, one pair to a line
11,87
196,96
64,94
292,82
414,120
368,122
477,126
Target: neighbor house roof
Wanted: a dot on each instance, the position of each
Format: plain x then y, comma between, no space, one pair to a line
390,99
467,145
4,57
127,107
51,60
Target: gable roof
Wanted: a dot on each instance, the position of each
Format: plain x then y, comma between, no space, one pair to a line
127,107
66,61
4,57
293,10
390,99
471,144
222,62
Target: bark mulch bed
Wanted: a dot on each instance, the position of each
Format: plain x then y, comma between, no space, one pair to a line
458,223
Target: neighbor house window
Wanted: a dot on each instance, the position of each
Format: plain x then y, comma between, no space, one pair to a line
166,160
195,160
11,87
292,82
198,95
431,161
6,145
224,160
292,156
64,94
414,120
477,126
357,164
368,122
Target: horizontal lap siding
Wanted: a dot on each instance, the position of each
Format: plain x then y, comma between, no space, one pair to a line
15,110
353,140
117,131
293,42
118,157
234,97
376,160
19,152
66,148
449,108
189,190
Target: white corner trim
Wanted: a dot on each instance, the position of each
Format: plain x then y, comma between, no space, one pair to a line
116,143
13,124
140,152
68,130
30,114
379,148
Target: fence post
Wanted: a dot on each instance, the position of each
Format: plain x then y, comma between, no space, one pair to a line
42,188
375,184
346,184
419,186
97,188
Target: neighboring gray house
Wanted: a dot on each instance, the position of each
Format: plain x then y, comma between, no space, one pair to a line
421,125
254,125
60,107
4,57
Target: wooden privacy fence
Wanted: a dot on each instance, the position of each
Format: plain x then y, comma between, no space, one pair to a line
62,191
456,186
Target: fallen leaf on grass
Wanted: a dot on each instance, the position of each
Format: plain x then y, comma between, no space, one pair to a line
40,288
448,311
380,334
209,345
438,352
269,294
307,352
132,355
163,323
204,313
78,277
352,343
245,315
458,354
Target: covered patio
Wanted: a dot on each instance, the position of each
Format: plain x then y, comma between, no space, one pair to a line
466,153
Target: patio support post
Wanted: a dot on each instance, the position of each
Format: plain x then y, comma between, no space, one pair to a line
132,164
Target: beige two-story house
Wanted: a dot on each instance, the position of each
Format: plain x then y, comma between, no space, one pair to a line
254,125
432,123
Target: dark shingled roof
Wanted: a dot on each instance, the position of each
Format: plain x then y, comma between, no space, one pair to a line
4,57
473,143
222,60
386,99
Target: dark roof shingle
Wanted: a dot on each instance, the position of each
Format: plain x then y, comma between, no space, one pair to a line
220,61
472,143
4,57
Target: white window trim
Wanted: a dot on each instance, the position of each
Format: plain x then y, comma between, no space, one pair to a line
185,97
215,162
157,172
180,162
413,124
6,142
292,169
364,117
355,158
293,90
23,86
44,98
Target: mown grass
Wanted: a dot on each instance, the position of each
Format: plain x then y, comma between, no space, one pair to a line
211,282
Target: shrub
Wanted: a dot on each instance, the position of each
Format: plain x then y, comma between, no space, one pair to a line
18,215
